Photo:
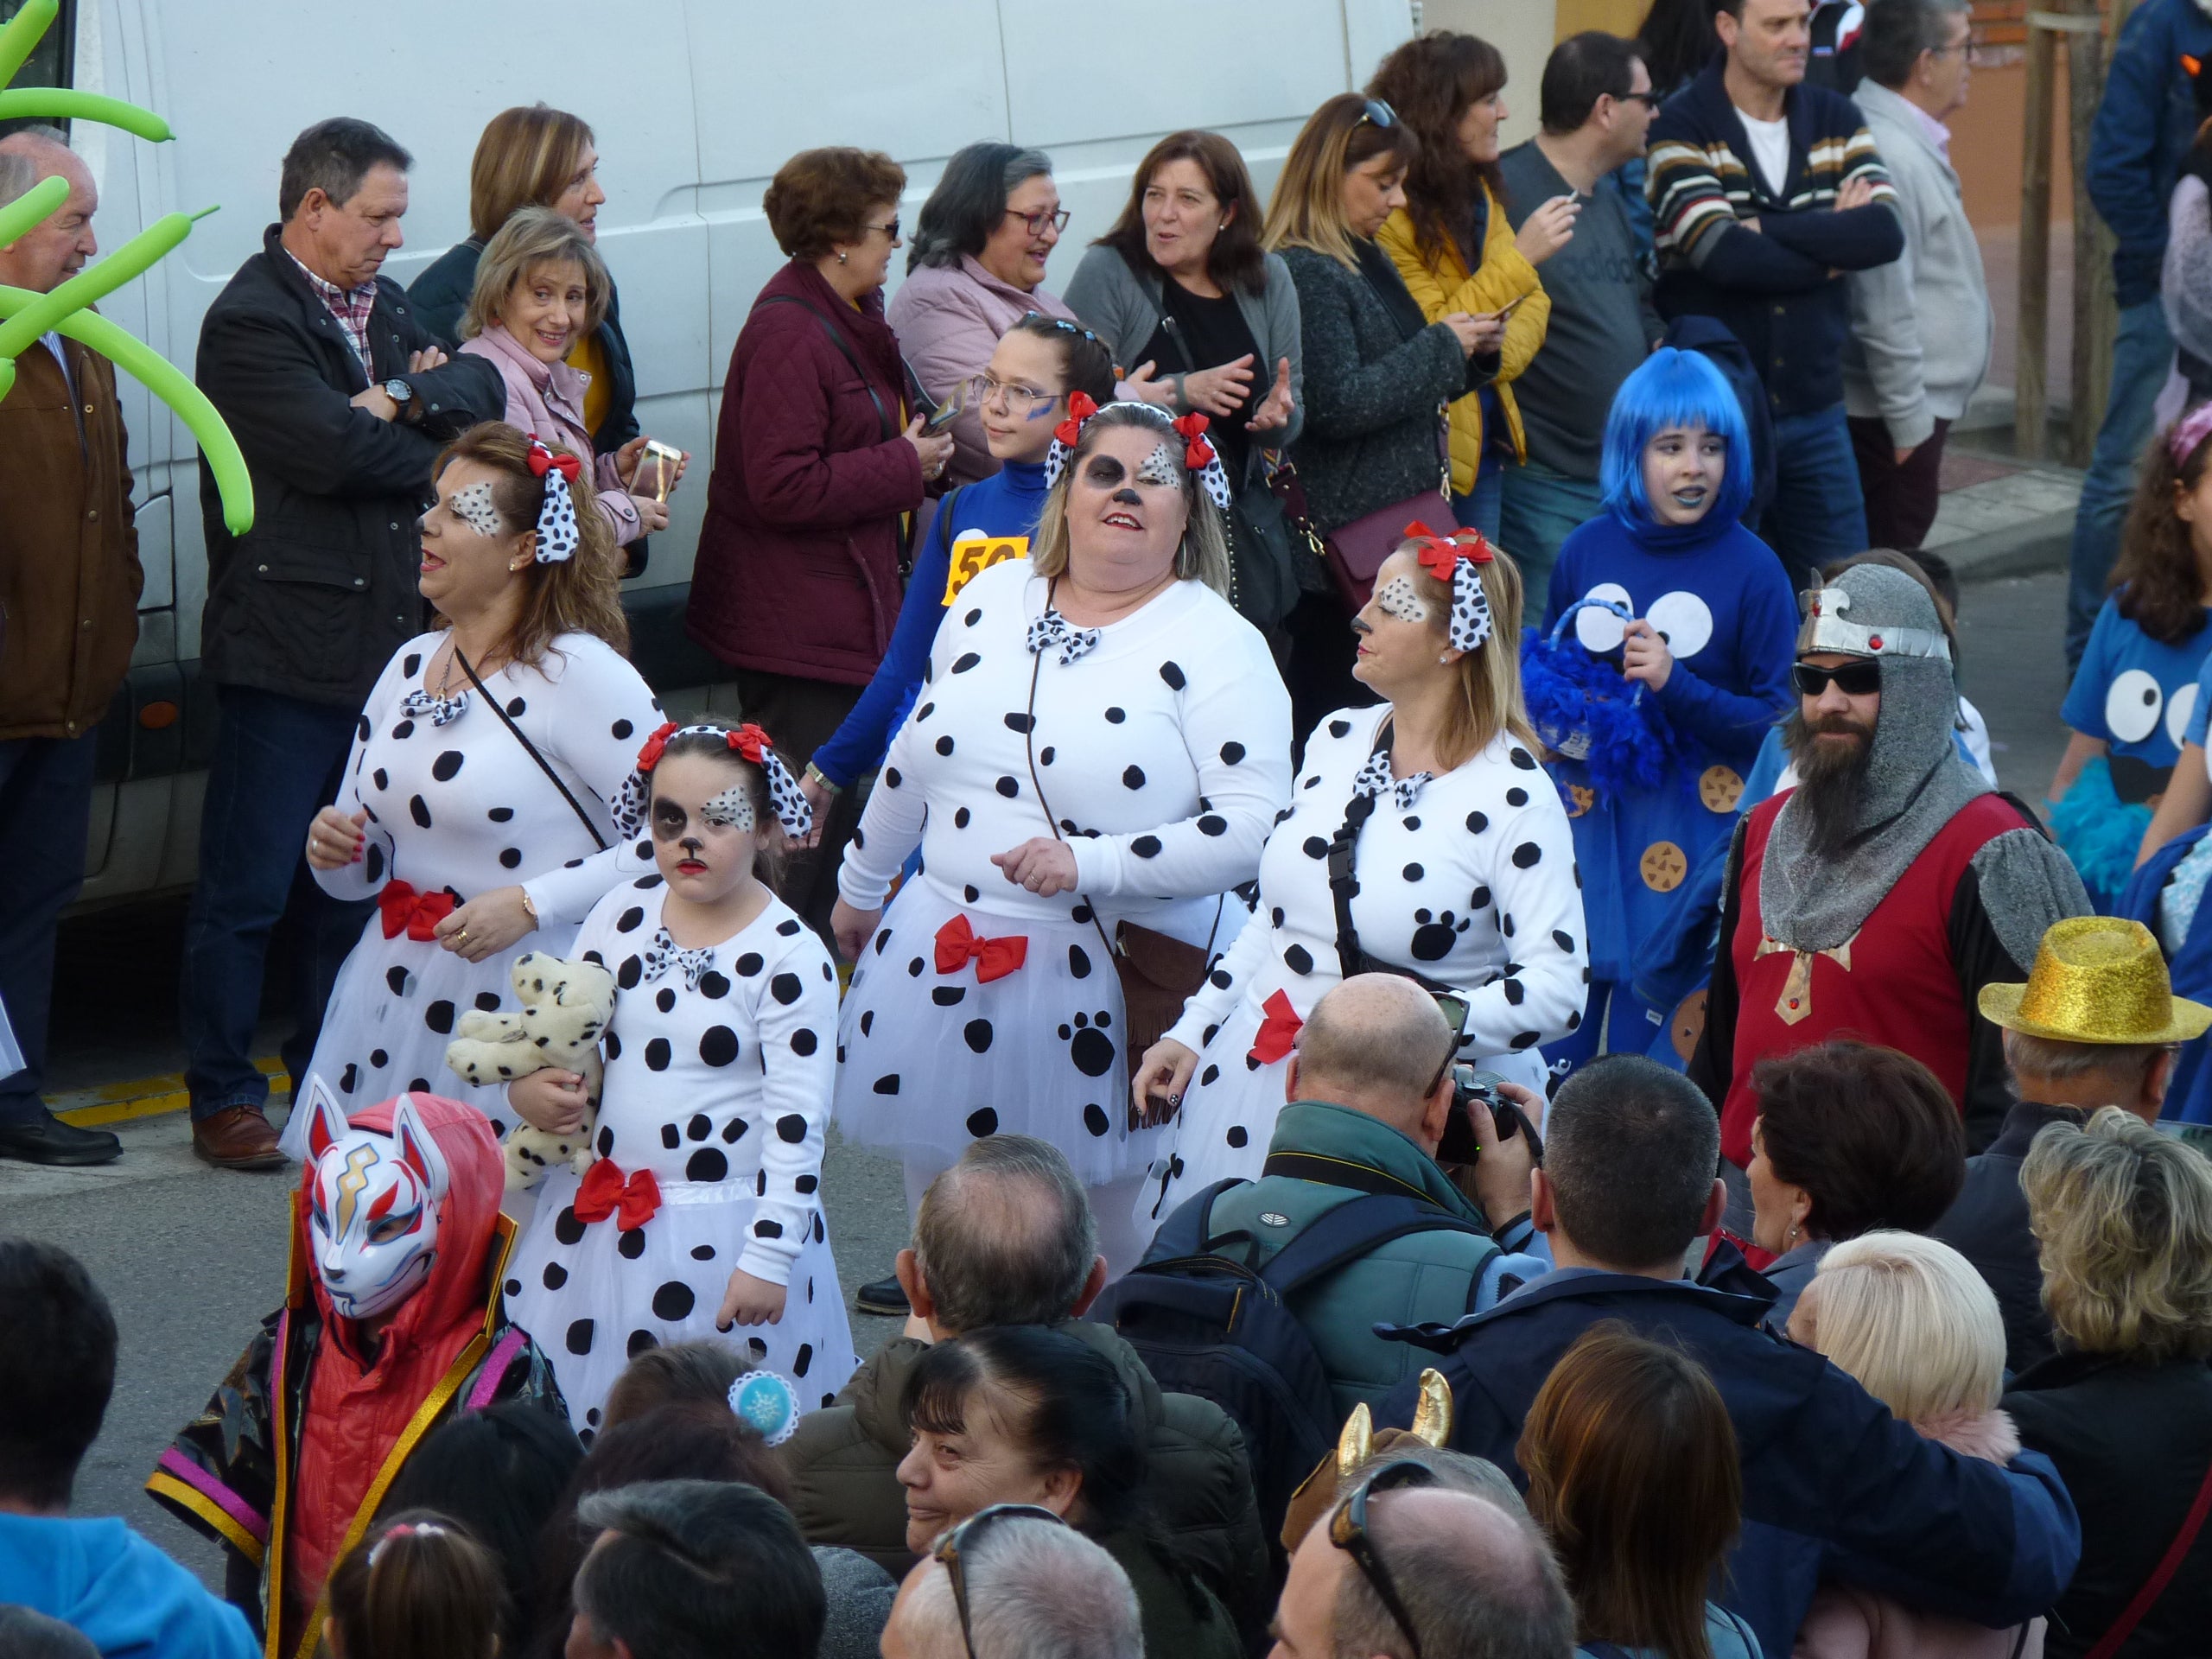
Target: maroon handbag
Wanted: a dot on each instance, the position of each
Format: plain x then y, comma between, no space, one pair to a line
1354,552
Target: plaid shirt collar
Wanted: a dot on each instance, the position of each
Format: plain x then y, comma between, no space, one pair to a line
350,307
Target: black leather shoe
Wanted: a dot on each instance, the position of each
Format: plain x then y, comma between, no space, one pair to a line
885,1296
49,1141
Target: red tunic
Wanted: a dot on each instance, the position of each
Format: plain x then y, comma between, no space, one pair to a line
1893,982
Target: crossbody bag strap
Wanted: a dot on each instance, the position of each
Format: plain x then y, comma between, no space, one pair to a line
2154,1587
1344,847
1029,754
530,749
837,338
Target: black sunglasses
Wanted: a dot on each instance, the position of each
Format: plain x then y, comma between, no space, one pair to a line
1379,112
947,1552
1853,679
1454,1010
1060,323
1348,1532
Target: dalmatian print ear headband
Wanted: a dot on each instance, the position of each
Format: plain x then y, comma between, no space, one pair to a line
749,742
1199,455
557,535
1456,560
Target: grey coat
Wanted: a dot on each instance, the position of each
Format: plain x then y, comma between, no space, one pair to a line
1371,425
1124,309
860,1594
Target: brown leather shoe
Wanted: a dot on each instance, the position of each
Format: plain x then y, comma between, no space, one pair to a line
238,1137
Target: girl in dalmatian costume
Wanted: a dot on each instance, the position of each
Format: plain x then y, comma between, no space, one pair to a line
475,811
1710,639
1461,869
1100,739
703,1219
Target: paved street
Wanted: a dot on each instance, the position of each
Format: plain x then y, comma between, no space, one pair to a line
193,1257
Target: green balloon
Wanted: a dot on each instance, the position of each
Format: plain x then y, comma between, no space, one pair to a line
89,285
41,201
174,387
23,33
64,104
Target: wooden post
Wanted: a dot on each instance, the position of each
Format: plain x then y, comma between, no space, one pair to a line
2031,357
2095,320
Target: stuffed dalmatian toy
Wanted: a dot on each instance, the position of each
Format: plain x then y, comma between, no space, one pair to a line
565,1005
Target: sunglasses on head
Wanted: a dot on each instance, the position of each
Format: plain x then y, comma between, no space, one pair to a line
1378,112
1853,679
947,1552
1060,323
1348,1532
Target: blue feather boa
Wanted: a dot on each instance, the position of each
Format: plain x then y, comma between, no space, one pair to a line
2100,833
1584,710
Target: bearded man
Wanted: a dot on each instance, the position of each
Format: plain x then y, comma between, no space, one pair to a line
1878,896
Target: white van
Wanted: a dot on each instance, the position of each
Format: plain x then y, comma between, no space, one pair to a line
694,104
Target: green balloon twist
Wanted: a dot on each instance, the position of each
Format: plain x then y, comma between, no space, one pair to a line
169,384
42,200
23,33
65,103
129,261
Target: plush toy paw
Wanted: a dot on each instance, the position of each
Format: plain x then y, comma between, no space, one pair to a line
565,1007
529,1152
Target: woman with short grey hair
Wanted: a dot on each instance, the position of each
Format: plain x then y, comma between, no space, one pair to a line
977,266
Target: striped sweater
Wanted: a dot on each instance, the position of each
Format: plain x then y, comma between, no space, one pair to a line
1778,288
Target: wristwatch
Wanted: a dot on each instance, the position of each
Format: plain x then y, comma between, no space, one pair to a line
530,908
814,772
399,392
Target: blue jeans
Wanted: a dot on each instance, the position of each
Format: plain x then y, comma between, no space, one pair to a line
277,762
2141,354
1478,508
1541,509
46,798
1817,515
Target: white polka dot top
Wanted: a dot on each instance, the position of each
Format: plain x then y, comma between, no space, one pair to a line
727,1080
454,801
1163,750
1473,884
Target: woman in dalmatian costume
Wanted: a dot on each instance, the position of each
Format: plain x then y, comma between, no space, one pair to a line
472,850
1712,635
701,1220
1460,862
1100,739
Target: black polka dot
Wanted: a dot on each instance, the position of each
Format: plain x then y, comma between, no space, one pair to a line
1479,898
396,978
734,1131
1413,871
1431,942
579,1337
1339,728
1008,788
405,729
805,1355
786,989
966,660
750,963
974,616
887,1085
446,765
1526,1039
381,778
1231,753
613,1047
1527,856
944,744
640,1341
1314,847
719,1046
501,814
621,728
804,1042
487,1000
1565,941
439,1016
554,1275
566,1229
893,778
373,863
703,1252
361,731
515,708
664,999
1523,758
982,1122
350,1078
1298,959
699,1126
1173,676
510,857
1212,824
708,1164
378,1057
1116,716
658,1054
1237,1136
630,921
1477,823
671,1136
766,1229
630,1245
1146,846
1517,797
977,1033
1092,1051
1515,992
672,1302
629,973
410,664
713,984
1021,723
1132,778
1212,1074
948,996
418,810
606,1140
960,818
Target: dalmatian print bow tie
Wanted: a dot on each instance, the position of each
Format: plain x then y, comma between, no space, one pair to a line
1052,630
665,953
1375,781
439,711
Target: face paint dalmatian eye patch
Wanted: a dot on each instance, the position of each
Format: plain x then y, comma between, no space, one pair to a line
1398,597
1161,467
472,506
732,808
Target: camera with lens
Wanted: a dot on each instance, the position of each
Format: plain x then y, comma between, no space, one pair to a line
1476,1092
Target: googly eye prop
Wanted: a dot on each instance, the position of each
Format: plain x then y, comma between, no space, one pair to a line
1456,560
557,535
749,742
1198,454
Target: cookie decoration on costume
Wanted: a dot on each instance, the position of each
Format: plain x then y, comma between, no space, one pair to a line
1719,787
1663,867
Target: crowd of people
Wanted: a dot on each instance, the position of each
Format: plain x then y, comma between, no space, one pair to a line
1389,778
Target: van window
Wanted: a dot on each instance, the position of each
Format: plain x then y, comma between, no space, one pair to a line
51,59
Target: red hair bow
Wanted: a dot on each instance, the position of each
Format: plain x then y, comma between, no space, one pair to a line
544,460
958,944
1080,409
1197,452
649,757
1439,554
752,742
605,1192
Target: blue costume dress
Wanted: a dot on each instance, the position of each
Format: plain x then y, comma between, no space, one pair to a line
1720,597
2140,696
977,526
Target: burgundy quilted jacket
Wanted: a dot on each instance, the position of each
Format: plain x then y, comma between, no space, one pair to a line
798,570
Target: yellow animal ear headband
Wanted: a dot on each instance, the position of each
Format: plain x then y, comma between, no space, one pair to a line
1431,1424
66,309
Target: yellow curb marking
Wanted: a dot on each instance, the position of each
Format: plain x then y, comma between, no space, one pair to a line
116,1102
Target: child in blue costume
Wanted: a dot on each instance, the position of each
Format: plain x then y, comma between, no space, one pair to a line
1713,635
2135,694
1022,395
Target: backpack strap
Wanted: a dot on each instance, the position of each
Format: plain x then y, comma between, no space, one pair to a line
1353,1229
1188,1225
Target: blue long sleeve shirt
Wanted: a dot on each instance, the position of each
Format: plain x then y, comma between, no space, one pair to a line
980,524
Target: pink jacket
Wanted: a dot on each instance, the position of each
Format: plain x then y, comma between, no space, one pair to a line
949,318
1845,1622
548,402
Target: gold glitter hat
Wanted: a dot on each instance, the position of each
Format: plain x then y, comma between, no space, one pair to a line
2097,979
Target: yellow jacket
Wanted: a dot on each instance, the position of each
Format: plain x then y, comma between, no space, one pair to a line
1438,280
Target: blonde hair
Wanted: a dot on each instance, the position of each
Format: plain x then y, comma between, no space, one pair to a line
2123,1215
1203,554
1911,1319
1307,208
1490,699
527,158
534,236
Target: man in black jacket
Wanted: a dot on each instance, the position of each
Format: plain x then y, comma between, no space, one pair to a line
340,400
2096,1024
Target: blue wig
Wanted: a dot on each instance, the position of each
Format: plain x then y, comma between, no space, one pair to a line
1674,389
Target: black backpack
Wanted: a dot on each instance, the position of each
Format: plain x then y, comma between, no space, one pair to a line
1206,1324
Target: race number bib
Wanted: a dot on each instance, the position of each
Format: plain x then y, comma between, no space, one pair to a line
973,555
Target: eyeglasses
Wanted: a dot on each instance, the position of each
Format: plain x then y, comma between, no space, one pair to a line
1057,218
1649,100
1454,1010
947,1552
1378,112
1852,679
1348,1532
890,230
979,389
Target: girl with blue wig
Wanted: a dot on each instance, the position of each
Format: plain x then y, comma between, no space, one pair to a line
1702,654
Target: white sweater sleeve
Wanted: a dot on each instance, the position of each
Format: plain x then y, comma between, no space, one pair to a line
798,1056
352,881
889,830
607,712
1539,906
1218,995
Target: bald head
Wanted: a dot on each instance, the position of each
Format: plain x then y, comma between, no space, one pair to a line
1376,1044
1005,1237
57,247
